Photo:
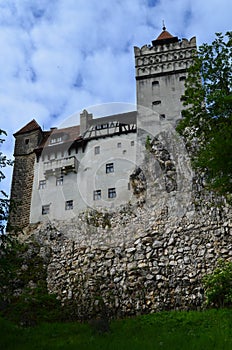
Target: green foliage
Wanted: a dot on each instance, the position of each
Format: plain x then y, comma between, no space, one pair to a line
218,285
33,306
148,143
4,201
208,116
207,330
23,290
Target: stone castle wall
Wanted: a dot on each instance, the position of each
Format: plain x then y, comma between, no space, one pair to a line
146,256
21,190
134,261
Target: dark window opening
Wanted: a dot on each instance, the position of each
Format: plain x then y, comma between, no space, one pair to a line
182,78
45,209
42,184
27,141
96,195
69,205
156,103
183,98
109,168
155,83
60,180
111,193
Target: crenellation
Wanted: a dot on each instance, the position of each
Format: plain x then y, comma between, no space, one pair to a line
172,47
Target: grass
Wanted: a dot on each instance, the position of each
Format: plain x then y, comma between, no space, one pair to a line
210,329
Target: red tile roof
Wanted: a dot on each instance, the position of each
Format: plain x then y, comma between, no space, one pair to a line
164,38
31,126
165,35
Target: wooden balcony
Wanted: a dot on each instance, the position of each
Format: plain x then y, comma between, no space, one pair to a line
60,166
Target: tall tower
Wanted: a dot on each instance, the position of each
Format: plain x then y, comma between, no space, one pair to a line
161,70
26,140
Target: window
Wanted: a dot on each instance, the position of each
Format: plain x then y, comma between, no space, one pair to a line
96,195
101,126
42,184
156,103
182,78
129,186
132,143
155,83
69,205
162,116
27,141
111,193
119,145
59,180
109,168
97,150
45,209
56,139
183,98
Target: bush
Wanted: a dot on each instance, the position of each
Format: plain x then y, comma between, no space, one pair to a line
218,285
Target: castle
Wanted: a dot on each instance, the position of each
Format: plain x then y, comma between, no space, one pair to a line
60,172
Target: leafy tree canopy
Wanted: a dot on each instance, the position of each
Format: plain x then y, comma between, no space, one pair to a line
208,114
4,201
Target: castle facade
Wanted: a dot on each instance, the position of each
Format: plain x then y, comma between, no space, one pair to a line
60,172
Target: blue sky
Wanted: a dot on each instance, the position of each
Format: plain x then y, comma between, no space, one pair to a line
60,56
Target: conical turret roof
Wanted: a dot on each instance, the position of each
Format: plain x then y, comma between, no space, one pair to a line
164,38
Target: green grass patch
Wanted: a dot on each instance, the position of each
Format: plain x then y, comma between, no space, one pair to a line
210,329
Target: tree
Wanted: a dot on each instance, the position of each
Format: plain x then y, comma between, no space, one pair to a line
4,201
218,285
208,116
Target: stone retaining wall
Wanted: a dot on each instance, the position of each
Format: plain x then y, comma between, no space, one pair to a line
150,264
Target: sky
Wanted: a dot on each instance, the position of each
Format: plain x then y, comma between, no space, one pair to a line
61,56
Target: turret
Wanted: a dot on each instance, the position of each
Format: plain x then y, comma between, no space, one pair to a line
26,140
161,70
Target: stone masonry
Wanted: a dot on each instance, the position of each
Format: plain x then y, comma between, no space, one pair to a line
147,256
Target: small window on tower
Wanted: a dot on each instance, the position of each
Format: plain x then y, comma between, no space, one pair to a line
119,145
183,98
155,103
155,83
182,78
27,141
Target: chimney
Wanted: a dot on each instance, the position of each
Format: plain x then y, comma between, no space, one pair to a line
85,121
